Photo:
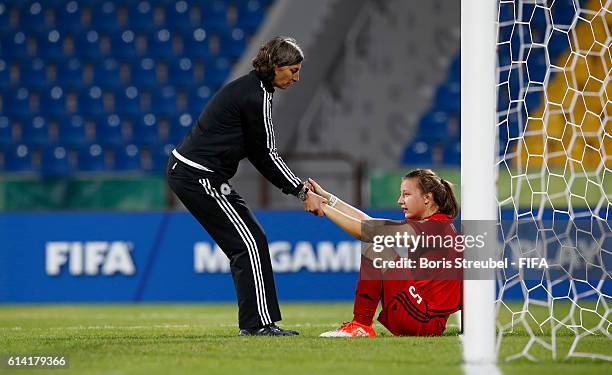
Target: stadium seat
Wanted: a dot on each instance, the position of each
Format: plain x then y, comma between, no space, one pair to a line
33,74
178,15
250,15
216,71
70,73
179,127
452,153
6,131
91,158
53,102
104,16
90,101
198,98
5,75
160,44
127,101
106,73
14,46
35,131
50,45
123,45
417,153
433,127
141,16
163,101
448,97
159,156
144,73
109,130
195,43
18,158
72,131
17,102
127,158
180,72
145,130
214,15
55,161
88,45
5,17
32,16
233,43
68,16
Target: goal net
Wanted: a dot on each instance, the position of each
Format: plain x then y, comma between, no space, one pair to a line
554,165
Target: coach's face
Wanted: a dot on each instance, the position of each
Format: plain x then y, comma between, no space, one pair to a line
412,200
284,76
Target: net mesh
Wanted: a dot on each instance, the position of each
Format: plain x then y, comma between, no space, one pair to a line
554,172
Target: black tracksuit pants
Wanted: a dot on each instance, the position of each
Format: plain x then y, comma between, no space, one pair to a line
231,224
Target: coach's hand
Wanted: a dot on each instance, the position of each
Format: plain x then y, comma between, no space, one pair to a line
313,203
314,186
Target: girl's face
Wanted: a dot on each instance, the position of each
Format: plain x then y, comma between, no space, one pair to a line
284,76
412,200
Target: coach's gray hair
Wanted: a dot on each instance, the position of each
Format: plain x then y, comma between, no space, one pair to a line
277,52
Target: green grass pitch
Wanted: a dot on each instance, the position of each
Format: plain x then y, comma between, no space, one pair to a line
201,338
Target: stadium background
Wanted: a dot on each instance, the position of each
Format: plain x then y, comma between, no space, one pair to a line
95,94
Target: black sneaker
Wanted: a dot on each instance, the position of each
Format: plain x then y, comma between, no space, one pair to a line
269,330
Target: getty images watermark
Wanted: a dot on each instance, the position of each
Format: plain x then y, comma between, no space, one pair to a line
422,250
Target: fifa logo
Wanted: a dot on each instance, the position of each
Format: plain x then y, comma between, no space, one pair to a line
89,258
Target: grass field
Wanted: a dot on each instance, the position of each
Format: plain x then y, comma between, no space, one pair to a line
168,339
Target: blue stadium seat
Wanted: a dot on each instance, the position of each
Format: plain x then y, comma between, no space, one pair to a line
250,14
104,16
179,127
163,101
88,45
145,130
69,16
141,16
233,42
180,72
14,46
17,102
178,15
198,98
18,158
50,45
196,43
106,73
32,16
6,131
214,15
452,153
90,101
33,73
448,97
53,102
127,158
417,153
70,73
91,158
5,17
433,126
5,75
109,130
160,44
216,71
144,73
35,131
72,131
127,101
55,161
159,156
123,45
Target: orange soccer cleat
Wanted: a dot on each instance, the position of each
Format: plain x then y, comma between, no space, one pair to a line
351,329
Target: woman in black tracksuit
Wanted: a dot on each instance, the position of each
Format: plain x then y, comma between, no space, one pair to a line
237,123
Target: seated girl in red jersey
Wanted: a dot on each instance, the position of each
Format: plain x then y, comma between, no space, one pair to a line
410,307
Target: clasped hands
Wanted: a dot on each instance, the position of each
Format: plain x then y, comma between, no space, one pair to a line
316,198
